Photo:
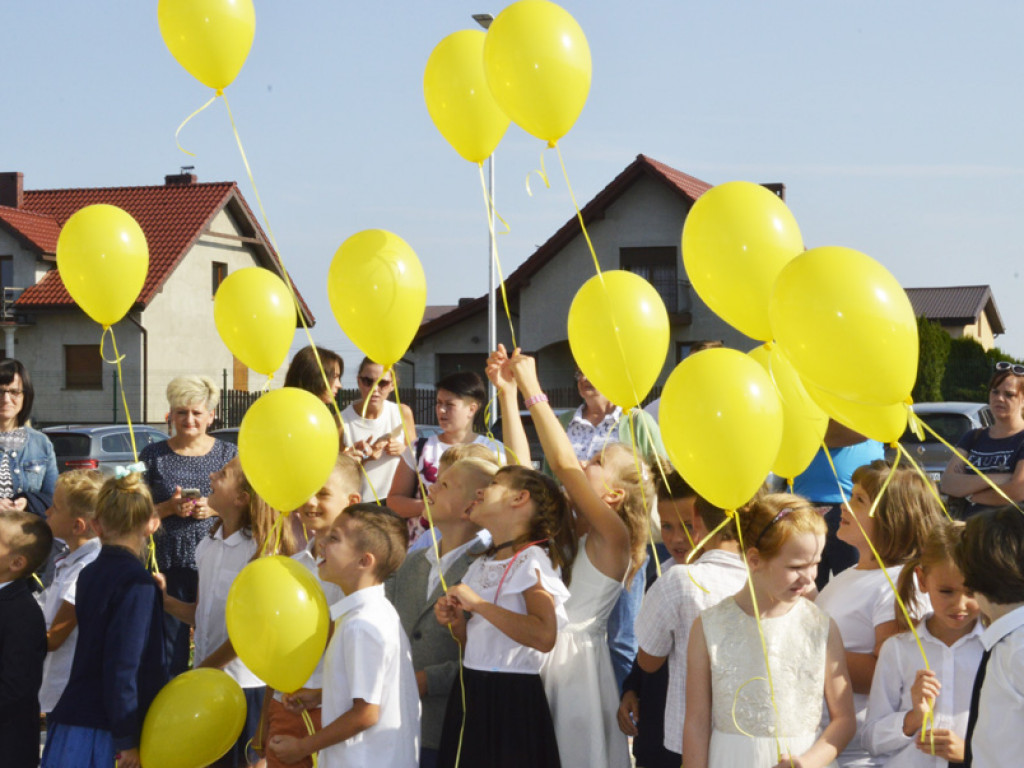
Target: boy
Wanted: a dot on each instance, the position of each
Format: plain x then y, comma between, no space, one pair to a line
674,603
25,543
371,710
70,519
991,557
417,586
317,515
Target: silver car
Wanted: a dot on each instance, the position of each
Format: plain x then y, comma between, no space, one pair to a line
102,447
951,421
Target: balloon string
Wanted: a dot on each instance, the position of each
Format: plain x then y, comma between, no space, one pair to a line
284,270
902,452
491,214
362,413
311,730
177,133
542,174
760,633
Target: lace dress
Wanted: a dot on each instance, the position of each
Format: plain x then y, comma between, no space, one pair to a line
578,677
745,730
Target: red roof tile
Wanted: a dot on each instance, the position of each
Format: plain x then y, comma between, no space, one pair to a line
37,231
172,216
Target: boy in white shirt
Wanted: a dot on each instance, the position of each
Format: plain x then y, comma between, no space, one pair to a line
675,601
370,703
70,519
991,557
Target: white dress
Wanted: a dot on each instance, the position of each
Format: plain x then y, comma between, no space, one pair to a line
578,677
745,730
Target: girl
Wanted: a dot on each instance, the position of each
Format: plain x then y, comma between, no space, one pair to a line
610,497
119,659
378,428
245,522
860,599
514,598
735,718
902,690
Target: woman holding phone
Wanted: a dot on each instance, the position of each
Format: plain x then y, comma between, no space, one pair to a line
178,473
378,432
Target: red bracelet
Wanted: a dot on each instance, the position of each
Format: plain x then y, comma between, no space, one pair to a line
532,401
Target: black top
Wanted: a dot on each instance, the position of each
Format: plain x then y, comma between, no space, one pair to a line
22,652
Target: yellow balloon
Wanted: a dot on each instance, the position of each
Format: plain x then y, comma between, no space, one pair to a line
737,238
458,99
288,445
721,422
884,423
103,259
209,38
193,721
255,316
803,422
378,293
277,621
846,325
538,67
619,335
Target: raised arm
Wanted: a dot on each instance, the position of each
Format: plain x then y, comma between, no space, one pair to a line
513,433
608,532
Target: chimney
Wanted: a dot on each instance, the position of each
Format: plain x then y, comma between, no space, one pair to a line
11,193
180,179
777,188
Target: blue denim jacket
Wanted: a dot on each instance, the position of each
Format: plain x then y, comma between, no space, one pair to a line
34,472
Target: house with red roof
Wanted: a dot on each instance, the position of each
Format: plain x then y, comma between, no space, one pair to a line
197,234
635,224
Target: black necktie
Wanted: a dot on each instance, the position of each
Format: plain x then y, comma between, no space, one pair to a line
972,718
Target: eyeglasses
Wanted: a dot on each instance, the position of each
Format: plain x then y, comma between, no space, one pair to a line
383,384
1017,369
14,394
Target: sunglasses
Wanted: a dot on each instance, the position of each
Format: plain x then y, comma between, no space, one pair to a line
1017,369
383,384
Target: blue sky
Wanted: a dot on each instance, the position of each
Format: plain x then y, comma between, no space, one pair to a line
895,125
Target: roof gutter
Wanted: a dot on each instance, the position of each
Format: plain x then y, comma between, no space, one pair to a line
145,366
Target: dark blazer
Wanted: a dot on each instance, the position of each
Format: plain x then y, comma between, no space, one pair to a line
22,653
434,650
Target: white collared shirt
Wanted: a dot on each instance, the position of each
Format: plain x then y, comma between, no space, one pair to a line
999,736
57,667
220,560
666,617
588,439
368,658
478,543
890,699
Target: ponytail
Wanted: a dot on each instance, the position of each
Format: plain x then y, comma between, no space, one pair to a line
906,590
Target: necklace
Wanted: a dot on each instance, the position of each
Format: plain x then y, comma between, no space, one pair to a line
496,548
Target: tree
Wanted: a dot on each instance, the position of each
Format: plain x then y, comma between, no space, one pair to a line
933,346
968,371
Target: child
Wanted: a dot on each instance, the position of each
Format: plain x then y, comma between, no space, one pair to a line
991,558
119,663
238,537
902,692
735,715
611,497
25,543
70,519
317,515
514,598
669,610
370,704
416,586
860,599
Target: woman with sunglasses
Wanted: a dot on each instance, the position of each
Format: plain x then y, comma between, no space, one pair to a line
378,428
996,451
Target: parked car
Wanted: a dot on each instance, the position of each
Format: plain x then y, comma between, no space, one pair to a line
102,447
227,434
951,421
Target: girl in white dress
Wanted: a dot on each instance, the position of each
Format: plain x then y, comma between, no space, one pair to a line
903,690
610,498
861,599
741,711
514,597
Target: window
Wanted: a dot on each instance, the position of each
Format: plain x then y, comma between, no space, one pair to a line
657,265
220,272
83,367
7,282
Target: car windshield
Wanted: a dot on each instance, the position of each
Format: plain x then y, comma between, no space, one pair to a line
949,426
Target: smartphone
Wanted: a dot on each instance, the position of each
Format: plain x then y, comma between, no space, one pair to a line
190,493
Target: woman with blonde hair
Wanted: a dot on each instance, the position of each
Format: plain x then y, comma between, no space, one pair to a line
178,473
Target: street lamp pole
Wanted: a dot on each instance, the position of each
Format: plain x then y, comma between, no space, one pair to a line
484,20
